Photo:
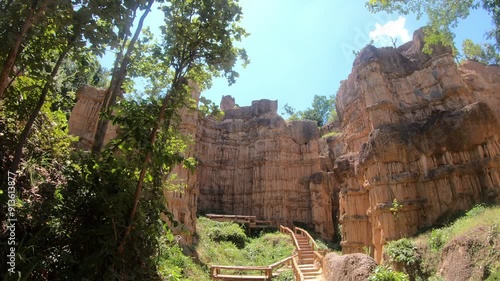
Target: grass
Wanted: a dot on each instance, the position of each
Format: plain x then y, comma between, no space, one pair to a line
331,134
215,249
221,244
478,216
431,243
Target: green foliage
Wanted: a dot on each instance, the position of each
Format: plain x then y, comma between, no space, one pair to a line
402,251
485,53
286,275
75,206
174,265
444,15
494,276
383,273
437,239
396,207
322,111
263,250
209,108
431,243
331,134
227,231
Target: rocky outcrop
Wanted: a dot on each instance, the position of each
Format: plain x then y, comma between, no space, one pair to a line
227,102
252,162
351,267
420,141
85,114
471,256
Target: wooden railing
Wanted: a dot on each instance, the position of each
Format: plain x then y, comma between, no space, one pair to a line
304,233
286,230
318,259
251,221
299,276
248,272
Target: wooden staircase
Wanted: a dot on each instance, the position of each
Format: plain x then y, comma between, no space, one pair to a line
308,265
306,262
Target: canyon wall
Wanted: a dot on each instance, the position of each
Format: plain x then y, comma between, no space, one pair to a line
252,162
420,141
85,114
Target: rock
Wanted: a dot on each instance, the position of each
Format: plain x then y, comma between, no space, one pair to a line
418,130
227,102
183,203
85,114
254,163
350,267
469,256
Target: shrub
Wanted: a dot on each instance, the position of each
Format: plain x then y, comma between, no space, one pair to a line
227,231
384,273
494,276
286,275
437,239
402,251
476,210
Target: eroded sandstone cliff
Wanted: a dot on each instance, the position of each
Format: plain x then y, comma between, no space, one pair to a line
420,141
253,162
85,114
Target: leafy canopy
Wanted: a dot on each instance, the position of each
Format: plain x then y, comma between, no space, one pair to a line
322,110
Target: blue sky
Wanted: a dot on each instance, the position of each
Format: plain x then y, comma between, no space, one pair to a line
302,48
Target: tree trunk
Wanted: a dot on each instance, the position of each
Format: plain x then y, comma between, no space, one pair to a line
176,83
115,87
34,114
14,49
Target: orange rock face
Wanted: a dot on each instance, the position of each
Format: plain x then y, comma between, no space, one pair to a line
254,163
85,114
420,141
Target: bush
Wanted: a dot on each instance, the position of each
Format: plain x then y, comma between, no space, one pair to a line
286,275
402,251
476,210
384,273
494,276
437,239
227,231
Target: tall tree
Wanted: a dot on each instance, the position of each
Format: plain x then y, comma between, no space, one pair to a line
198,39
122,63
67,26
322,110
33,10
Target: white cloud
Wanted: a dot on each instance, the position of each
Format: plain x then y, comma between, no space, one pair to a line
396,29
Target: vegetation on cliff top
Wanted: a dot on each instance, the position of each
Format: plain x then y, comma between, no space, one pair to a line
479,230
443,16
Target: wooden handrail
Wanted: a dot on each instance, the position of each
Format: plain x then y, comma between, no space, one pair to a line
268,270
318,258
284,229
303,232
240,267
299,276
281,262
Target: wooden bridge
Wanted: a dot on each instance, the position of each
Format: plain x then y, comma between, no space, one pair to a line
306,262
250,221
